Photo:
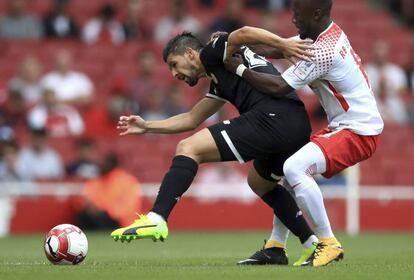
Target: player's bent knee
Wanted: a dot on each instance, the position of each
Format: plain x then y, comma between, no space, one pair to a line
290,168
251,181
258,185
186,148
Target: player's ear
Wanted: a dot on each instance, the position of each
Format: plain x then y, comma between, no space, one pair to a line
189,52
317,14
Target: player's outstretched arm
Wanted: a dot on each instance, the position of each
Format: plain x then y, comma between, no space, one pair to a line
291,48
265,83
260,49
176,124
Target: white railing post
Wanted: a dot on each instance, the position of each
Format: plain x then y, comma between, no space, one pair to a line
352,176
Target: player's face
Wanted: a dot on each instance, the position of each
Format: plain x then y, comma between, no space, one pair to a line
302,17
183,68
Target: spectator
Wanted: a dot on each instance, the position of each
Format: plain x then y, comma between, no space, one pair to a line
58,24
176,22
278,5
258,4
404,9
60,120
206,3
407,12
388,83
27,81
111,200
410,70
8,162
17,24
8,173
70,86
104,28
7,143
37,161
134,26
270,22
6,132
154,108
147,79
107,116
410,81
84,167
14,109
231,19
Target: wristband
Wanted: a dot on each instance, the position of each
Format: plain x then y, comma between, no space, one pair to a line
240,69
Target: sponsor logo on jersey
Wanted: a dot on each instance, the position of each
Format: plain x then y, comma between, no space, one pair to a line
303,69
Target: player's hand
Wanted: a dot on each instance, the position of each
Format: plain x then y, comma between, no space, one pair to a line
295,49
233,62
216,34
131,125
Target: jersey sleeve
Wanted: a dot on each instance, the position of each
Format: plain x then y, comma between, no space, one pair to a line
213,93
215,52
304,72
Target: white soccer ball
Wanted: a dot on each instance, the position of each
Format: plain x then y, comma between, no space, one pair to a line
66,244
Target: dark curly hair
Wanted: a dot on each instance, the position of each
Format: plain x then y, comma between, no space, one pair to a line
179,43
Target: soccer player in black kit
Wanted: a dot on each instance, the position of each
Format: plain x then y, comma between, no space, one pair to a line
267,131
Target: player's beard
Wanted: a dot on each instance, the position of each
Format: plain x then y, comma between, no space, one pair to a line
193,79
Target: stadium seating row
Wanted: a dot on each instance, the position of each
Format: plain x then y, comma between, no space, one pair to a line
148,163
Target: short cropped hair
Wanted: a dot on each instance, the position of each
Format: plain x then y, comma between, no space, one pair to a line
179,43
324,5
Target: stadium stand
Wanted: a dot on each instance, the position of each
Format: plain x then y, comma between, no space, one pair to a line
103,62
149,156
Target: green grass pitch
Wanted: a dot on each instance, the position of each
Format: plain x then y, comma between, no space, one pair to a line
203,255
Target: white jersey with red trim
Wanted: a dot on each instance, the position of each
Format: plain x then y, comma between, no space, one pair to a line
338,78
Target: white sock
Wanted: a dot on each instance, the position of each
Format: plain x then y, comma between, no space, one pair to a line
155,218
298,170
280,232
309,242
309,198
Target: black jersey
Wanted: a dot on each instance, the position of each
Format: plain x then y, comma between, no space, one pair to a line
227,86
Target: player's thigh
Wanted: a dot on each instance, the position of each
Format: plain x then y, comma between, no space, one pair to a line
200,146
258,184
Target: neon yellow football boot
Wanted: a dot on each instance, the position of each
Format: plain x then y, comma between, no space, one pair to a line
306,254
326,252
141,228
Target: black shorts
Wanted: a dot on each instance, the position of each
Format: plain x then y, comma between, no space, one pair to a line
268,135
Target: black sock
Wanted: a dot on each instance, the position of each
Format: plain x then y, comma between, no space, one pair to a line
175,183
286,209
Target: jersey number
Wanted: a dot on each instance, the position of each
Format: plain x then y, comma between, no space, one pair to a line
254,60
361,67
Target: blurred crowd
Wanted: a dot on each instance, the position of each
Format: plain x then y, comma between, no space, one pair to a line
63,102
403,9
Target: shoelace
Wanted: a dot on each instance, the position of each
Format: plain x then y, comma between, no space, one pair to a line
319,247
140,217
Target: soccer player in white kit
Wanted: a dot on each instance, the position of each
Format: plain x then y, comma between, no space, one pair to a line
337,77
